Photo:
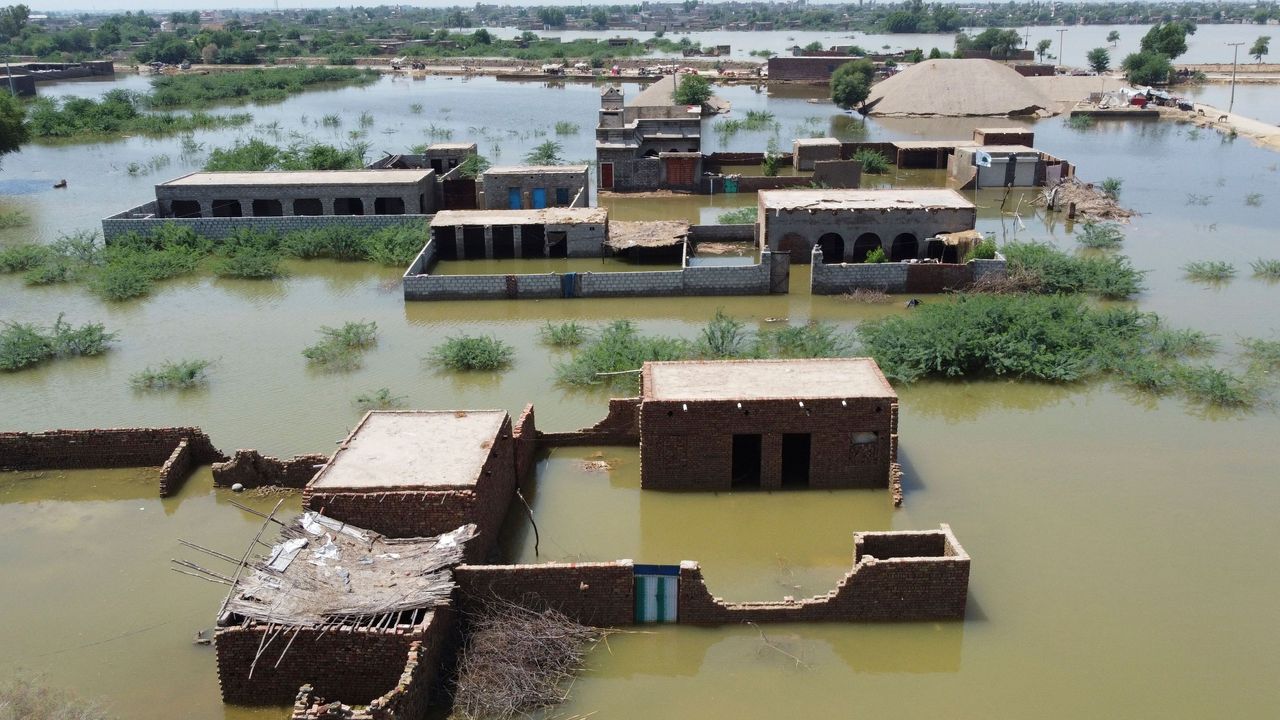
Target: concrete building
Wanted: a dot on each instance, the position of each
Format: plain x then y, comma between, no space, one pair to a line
498,234
1004,136
649,142
275,194
806,152
418,474
806,69
829,423
848,224
518,187
443,157
1009,166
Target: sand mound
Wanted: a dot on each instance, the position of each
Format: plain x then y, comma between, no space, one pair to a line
958,88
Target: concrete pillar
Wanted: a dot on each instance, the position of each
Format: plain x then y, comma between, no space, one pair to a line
327,205
206,208
488,242
369,205
457,241
771,461
516,237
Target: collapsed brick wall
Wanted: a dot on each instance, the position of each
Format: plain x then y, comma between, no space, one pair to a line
111,448
693,449
599,594
342,663
414,690
252,469
620,427
879,590
525,432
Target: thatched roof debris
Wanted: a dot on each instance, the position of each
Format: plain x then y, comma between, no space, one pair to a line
1091,203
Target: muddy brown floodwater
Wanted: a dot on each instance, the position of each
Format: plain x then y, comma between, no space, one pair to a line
1123,545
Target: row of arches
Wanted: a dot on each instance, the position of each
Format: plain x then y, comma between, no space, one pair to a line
905,246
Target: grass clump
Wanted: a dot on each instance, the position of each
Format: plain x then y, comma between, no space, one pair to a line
251,265
740,216
1262,354
22,698
380,399
1209,270
25,344
876,256
257,85
564,127
1266,269
342,348
873,161
1080,122
23,257
1111,187
257,154
172,375
1049,270
13,219
565,334
1217,387
1100,236
1183,342
473,353
984,250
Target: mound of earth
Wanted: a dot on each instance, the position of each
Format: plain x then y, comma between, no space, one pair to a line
958,88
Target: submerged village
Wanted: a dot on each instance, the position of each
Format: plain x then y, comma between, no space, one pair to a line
750,359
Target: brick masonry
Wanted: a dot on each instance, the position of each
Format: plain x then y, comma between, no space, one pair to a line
621,426
174,450
142,220
252,469
599,594
838,278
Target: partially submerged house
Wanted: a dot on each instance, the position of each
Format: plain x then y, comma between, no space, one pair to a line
849,224
495,234
304,192
823,423
533,187
649,142
1003,166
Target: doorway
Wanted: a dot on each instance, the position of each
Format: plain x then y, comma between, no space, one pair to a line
795,459
557,244
745,470
606,176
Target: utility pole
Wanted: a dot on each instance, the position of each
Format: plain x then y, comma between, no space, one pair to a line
1235,55
1060,32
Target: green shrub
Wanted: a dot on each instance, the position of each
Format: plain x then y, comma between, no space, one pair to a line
23,698
342,348
565,334
1209,270
268,84
120,282
13,219
20,258
1218,387
873,161
615,352
1100,236
251,265
723,337
181,375
876,255
380,399
396,246
740,216
564,127
1111,187
1053,271
1080,122
53,271
25,344
468,353
1182,343
985,249
1267,269
814,340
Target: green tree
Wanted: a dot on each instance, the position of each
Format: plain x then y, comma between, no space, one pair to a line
1261,47
1168,39
814,46
1147,68
1113,37
552,17
481,37
600,16
692,90
13,19
1042,47
993,41
851,83
548,153
13,125
1099,60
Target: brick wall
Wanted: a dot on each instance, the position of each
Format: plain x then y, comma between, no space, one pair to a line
133,220
693,449
111,448
621,426
525,434
351,665
838,278
599,594
252,469
932,586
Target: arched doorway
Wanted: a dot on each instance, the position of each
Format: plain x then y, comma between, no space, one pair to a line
832,248
905,247
797,246
865,243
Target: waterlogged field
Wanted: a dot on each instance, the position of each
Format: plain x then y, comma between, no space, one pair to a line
1123,544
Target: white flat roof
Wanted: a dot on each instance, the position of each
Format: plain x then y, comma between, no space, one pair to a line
301,177
765,379
545,216
816,141
890,198
395,450
525,169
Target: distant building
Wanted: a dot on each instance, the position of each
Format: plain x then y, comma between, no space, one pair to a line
521,187
649,142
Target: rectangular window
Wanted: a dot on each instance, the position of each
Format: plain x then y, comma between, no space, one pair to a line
562,196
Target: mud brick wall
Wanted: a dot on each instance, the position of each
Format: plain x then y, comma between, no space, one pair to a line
339,663
525,434
252,469
175,468
693,449
893,590
413,692
620,427
599,594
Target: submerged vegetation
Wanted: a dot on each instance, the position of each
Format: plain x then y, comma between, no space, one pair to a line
172,375
342,348
25,344
117,113
22,698
873,161
472,353
1100,236
741,216
566,334
257,85
13,219
257,154
1209,270
1046,269
380,399
1266,269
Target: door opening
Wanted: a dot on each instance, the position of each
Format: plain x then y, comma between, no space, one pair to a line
745,471
795,459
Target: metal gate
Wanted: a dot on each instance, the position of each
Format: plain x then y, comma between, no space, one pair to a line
657,588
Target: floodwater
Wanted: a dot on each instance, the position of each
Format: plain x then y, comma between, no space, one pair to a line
1123,546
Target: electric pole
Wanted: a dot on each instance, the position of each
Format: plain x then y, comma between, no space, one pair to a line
1235,55
1060,32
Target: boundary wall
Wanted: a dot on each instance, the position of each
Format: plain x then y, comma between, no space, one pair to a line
143,220
252,469
901,277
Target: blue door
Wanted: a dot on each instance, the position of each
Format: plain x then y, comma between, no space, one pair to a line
539,198
513,199
657,589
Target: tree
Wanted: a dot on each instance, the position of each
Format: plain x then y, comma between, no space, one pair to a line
481,37
851,83
1113,37
1147,68
814,46
551,17
600,16
994,42
1099,60
13,125
1261,47
1042,47
1168,39
548,153
13,19
692,90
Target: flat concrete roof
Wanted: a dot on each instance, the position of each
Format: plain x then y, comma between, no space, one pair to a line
1005,130
816,141
1007,149
398,450
831,378
527,169
451,146
301,177
887,199
931,144
545,216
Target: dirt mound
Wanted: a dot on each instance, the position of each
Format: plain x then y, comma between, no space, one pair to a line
958,88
